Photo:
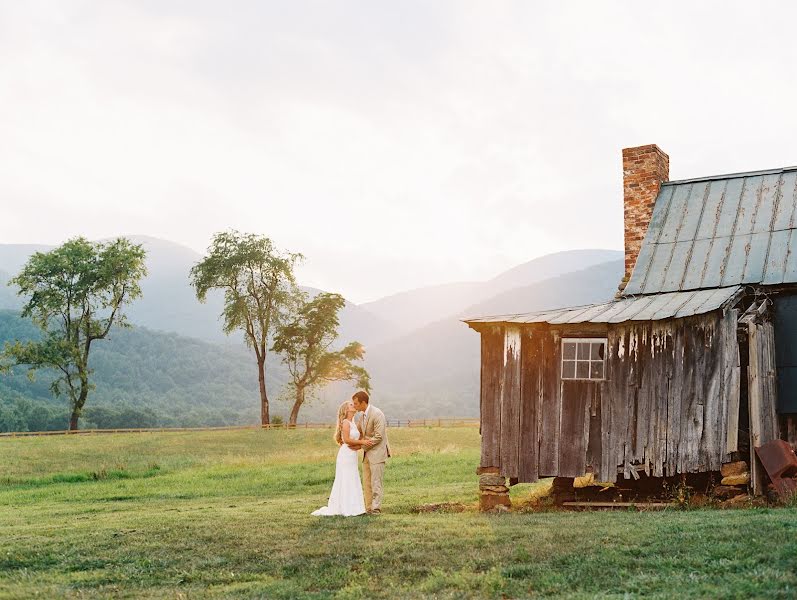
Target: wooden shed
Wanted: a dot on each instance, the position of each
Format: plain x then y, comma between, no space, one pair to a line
688,369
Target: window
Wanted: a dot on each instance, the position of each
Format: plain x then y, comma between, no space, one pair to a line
583,358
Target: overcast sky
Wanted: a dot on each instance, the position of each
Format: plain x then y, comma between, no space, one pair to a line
396,144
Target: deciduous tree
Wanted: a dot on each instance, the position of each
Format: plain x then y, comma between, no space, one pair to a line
258,284
304,343
75,294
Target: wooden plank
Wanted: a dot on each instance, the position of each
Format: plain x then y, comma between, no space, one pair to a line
492,350
754,403
623,505
729,390
645,409
770,429
594,434
762,393
550,407
691,423
510,404
530,395
661,367
613,409
576,398
712,442
674,404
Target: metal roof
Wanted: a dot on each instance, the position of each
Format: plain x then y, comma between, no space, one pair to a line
639,308
720,231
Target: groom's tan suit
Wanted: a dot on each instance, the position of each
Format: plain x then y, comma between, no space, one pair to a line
373,425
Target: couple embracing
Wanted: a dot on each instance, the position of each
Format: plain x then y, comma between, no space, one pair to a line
370,435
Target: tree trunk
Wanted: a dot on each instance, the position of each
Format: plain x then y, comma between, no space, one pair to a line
261,378
296,406
77,405
73,420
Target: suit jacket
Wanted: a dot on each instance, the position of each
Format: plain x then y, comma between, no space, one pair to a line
374,426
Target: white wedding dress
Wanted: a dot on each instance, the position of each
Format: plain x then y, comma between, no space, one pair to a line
347,493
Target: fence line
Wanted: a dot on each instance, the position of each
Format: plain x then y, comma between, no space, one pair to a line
442,422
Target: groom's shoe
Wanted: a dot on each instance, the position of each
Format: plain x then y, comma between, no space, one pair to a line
375,511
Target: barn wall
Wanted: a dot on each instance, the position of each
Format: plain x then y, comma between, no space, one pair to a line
670,390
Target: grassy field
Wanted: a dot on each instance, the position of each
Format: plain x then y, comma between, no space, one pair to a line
226,514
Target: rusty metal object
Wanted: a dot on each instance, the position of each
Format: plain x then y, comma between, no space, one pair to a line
780,463
778,459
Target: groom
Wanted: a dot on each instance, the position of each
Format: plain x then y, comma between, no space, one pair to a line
373,429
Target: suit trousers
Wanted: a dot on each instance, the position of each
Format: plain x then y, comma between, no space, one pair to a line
372,480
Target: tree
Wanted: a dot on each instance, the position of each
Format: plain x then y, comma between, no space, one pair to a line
76,293
258,284
304,343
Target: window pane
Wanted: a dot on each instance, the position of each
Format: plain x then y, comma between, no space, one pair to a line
583,351
569,350
596,370
597,351
582,369
568,369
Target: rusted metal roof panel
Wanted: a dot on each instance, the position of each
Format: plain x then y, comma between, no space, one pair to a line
654,307
720,231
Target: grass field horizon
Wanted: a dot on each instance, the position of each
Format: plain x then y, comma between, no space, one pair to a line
227,514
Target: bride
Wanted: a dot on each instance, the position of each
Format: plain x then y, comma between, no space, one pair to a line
347,493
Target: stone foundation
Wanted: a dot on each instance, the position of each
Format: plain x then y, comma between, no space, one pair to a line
493,490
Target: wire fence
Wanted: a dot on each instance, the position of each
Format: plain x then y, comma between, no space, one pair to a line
441,422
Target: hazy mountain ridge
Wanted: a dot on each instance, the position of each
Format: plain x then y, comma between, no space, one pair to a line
439,364
430,370
411,310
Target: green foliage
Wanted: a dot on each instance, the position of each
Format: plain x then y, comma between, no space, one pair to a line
304,343
258,284
227,515
75,294
182,381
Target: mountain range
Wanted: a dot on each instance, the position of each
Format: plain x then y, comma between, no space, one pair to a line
423,360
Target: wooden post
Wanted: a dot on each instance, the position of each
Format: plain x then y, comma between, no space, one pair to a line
762,393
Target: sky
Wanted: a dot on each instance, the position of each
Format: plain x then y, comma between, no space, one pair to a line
394,144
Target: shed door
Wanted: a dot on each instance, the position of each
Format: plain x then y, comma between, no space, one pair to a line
583,370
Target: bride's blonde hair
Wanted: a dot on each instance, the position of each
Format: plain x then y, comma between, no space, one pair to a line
342,410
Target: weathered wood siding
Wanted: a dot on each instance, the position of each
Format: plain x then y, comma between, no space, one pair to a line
762,396
671,389
491,384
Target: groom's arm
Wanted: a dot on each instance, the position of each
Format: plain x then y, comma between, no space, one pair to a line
379,431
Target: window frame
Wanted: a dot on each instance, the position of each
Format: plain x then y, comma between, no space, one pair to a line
589,360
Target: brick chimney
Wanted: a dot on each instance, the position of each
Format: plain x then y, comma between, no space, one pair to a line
645,168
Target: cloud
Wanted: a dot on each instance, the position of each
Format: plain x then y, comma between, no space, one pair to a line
395,144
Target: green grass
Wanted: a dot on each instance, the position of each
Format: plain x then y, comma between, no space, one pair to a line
226,514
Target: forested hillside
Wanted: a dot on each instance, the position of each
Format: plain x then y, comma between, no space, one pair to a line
144,379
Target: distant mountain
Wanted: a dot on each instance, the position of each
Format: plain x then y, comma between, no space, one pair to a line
435,370
168,301
551,266
423,361
411,310
586,286
8,297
